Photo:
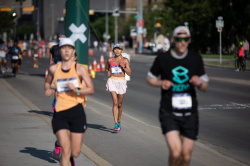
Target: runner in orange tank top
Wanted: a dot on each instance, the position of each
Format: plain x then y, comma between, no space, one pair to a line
72,83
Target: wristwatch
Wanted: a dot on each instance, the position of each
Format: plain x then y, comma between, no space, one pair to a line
79,91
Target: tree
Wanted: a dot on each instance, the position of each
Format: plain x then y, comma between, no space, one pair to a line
6,22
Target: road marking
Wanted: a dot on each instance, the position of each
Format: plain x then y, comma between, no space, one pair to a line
231,106
243,105
124,114
85,149
236,81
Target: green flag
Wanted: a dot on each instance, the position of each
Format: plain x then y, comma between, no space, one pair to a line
77,27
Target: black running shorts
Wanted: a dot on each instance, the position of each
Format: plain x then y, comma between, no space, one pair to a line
188,126
73,119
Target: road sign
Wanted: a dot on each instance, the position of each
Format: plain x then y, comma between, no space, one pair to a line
116,12
219,29
133,31
219,23
140,23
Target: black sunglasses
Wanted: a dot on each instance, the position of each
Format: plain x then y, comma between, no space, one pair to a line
179,39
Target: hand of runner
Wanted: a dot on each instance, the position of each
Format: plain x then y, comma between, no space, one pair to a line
166,84
71,86
122,65
49,92
195,80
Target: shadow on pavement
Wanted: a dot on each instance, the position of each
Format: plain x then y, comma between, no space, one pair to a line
100,127
47,113
41,154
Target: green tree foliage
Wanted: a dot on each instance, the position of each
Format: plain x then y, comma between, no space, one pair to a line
201,16
23,30
6,22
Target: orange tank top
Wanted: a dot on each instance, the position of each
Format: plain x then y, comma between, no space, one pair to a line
66,98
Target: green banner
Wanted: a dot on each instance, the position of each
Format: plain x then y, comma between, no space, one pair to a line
77,27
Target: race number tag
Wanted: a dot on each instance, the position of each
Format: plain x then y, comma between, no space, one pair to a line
62,84
181,101
116,69
15,57
35,55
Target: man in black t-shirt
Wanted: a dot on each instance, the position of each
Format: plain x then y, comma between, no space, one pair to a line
181,70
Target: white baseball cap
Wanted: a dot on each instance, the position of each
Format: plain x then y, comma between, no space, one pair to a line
179,28
66,41
117,45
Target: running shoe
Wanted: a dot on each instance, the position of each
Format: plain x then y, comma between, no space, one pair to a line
56,153
72,161
119,126
116,127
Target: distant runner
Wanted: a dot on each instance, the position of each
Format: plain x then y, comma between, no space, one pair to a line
3,56
116,68
180,71
15,60
72,82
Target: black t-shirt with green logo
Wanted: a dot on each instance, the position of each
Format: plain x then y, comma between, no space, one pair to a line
179,70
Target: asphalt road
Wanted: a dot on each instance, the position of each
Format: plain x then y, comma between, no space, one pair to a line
224,114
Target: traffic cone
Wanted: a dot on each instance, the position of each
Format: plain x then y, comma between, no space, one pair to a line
90,52
48,51
46,73
29,53
102,60
94,65
98,67
90,67
103,67
39,53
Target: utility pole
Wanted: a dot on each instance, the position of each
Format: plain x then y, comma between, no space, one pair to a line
116,24
107,23
52,22
140,29
37,24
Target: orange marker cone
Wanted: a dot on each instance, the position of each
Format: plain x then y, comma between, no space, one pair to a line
94,65
102,60
29,53
46,73
98,67
48,51
103,67
90,52
90,67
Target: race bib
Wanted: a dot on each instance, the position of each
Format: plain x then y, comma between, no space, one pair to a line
116,69
181,101
15,57
62,84
35,55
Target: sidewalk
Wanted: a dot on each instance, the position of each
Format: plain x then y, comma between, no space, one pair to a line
25,138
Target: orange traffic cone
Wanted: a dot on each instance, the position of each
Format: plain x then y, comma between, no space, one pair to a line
29,53
98,67
90,67
46,73
48,51
102,60
90,52
103,67
94,65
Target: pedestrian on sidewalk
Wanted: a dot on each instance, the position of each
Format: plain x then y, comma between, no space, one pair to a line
116,68
181,71
246,48
71,82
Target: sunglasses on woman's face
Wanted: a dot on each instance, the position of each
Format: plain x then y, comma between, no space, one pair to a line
179,39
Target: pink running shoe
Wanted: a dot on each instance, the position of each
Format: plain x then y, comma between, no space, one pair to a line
56,153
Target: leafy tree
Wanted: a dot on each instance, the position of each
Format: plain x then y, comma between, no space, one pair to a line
6,22
23,30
